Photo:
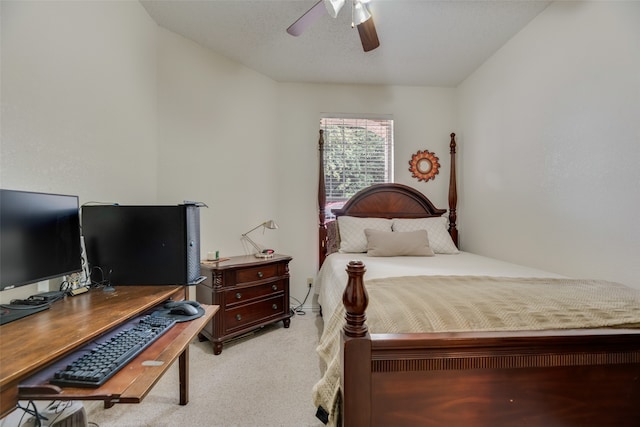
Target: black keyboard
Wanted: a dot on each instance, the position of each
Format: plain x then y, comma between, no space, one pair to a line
94,368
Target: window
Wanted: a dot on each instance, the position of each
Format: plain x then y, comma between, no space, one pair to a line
358,152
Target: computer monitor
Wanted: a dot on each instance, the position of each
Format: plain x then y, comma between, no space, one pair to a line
39,237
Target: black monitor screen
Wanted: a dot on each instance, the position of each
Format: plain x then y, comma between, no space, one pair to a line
39,237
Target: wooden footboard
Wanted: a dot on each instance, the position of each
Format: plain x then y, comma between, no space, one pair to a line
588,377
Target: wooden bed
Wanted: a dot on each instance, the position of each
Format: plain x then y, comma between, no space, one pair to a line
576,377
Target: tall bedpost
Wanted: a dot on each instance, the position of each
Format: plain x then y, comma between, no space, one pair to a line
453,192
355,348
322,202
355,300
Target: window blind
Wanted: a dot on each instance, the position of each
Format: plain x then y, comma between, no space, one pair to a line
358,152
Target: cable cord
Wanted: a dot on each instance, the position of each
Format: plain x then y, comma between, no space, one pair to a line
55,409
298,309
105,282
33,412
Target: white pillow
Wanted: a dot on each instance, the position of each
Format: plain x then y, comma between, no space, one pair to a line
352,237
439,238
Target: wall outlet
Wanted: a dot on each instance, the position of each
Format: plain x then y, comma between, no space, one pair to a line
310,281
43,286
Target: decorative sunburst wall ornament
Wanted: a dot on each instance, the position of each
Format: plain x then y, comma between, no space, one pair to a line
424,166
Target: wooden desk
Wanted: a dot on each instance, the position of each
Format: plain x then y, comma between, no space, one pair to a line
31,347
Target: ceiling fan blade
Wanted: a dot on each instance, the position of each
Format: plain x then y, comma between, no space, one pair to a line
368,35
306,20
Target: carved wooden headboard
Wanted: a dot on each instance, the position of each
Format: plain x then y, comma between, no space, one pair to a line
386,201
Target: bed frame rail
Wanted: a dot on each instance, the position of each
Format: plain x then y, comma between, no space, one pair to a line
551,378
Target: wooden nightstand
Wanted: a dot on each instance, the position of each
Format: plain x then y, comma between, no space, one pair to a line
250,291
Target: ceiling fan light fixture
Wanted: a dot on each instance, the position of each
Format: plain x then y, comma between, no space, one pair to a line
361,12
334,7
360,17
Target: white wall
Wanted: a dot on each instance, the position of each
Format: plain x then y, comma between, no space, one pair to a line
423,119
217,133
78,101
550,144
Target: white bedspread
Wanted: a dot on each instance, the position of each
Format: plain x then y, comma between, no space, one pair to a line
332,277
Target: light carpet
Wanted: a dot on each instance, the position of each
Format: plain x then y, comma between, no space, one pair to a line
262,379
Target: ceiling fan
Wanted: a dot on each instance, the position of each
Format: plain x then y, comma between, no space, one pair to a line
361,17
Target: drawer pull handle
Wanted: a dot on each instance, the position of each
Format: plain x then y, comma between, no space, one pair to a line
238,295
274,306
238,317
260,274
274,287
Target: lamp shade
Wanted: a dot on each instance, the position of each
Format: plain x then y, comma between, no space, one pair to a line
333,7
271,224
360,13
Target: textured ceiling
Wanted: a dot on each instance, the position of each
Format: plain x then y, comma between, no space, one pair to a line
422,42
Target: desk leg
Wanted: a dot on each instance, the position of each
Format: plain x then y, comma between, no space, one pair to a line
183,364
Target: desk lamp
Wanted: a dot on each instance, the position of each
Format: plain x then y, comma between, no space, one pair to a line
261,253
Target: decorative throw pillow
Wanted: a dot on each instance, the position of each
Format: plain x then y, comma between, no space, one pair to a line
352,238
397,243
333,237
439,238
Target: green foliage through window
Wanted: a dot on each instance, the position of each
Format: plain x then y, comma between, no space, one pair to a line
357,153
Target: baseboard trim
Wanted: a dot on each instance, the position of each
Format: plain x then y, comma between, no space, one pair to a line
309,308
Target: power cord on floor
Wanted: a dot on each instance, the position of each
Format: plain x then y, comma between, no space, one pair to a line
33,412
298,309
36,418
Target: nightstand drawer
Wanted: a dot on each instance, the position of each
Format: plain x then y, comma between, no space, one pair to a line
254,274
259,311
242,295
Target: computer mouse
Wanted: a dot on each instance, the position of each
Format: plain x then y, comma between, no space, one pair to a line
172,304
184,310
195,304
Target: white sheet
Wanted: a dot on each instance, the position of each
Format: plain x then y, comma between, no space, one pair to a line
332,277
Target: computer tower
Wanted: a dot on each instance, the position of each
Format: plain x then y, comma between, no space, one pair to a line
142,245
